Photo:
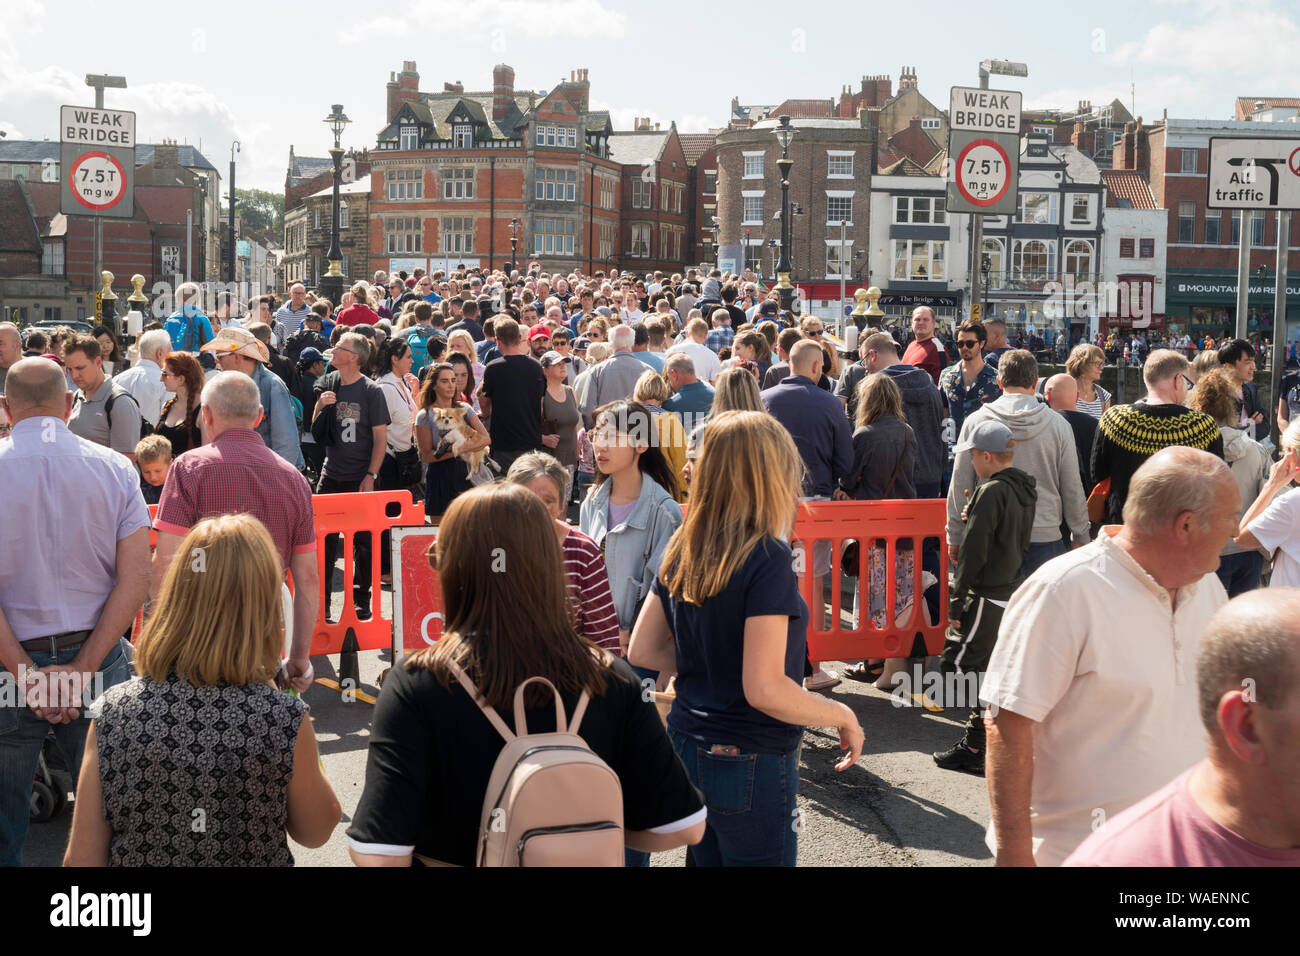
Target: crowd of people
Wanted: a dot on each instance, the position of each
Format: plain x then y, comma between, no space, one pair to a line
564,421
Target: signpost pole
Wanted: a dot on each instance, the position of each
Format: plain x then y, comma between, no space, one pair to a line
1279,318
98,220
1243,275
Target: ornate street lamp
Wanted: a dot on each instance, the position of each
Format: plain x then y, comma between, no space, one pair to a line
332,282
784,134
514,246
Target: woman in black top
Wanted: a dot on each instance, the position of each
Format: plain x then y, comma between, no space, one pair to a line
179,422
884,458
432,750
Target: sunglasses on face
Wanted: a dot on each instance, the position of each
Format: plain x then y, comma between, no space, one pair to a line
968,344
814,331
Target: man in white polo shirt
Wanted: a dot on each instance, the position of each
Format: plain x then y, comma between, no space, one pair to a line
1092,685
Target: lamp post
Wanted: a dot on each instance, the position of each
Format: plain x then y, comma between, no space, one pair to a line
714,230
514,246
784,134
332,282
986,266
230,254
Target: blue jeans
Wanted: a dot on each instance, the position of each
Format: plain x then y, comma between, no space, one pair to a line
1240,572
22,734
1039,554
753,818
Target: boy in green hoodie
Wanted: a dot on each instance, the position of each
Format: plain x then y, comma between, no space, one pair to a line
999,518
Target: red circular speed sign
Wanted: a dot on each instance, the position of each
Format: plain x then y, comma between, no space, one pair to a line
98,181
983,172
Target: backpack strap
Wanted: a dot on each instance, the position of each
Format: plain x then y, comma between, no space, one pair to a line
489,712
521,719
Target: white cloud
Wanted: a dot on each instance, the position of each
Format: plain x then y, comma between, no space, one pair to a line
502,24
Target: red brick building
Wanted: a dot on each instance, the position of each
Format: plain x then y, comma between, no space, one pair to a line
702,164
1201,279
453,170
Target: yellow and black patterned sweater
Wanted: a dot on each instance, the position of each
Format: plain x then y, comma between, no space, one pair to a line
1130,434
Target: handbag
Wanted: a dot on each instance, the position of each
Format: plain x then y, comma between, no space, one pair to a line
1097,501
410,470
851,559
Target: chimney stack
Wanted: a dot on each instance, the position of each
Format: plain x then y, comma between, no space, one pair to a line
408,85
503,90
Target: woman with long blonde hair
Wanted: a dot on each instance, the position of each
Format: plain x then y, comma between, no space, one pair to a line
507,620
727,617
256,776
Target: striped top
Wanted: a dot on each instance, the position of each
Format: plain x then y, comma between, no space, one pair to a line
590,599
1097,406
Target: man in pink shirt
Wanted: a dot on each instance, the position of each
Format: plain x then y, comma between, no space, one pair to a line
925,351
1241,805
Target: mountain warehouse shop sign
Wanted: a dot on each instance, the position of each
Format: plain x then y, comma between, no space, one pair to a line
1182,287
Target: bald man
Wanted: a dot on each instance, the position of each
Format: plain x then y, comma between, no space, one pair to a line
1090,711
1062,394
11,350
74,577
1241,805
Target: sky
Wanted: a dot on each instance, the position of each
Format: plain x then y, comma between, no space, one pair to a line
265,74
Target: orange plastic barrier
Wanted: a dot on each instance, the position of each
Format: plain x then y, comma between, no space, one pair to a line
838,522
347,514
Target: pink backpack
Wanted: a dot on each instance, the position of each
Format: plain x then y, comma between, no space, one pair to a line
550,800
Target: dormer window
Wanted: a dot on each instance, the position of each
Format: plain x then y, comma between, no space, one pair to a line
410,136
462,137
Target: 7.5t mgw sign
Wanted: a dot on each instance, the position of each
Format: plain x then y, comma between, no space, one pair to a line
1253,173
96,162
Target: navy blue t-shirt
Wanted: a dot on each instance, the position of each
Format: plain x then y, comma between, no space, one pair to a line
711,706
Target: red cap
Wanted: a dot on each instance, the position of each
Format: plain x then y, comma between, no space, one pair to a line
410,283
539,331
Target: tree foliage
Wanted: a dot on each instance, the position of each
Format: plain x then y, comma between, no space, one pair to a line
261,210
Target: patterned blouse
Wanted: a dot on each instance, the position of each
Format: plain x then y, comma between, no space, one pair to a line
196,776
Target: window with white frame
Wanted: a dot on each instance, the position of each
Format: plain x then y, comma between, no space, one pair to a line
642,193
710,182
1033,259
462,136
458,234
556,136
839,208
925,210
555,185
639,234
52,257
343,215
553,236
410,136
457,183
346,264
839,259
919,259
753,165
607,186
1078,259
402,234
930,122
839,164
1079,208
1257,228
753,211
608,231
317,214
1039,207
1187,221
1189,159
404,184
993,252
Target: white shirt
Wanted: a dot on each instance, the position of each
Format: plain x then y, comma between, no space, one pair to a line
401,413
707,364
144,381
1090,650
1278,529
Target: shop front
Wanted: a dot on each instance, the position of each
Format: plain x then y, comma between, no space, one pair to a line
1204,302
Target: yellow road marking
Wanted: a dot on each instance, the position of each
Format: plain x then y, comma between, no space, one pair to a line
360,695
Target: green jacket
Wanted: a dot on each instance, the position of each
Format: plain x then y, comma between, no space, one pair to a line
999,521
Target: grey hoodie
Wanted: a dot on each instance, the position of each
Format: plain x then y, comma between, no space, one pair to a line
1249,463
1045,450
